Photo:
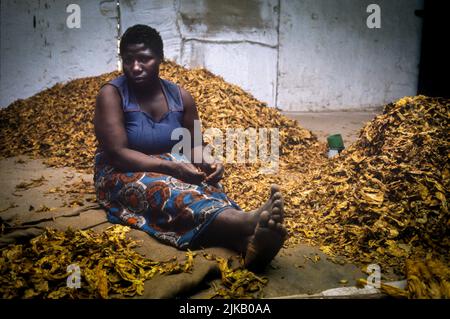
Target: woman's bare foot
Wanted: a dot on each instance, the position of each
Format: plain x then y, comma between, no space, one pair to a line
267,240
258,234
275,200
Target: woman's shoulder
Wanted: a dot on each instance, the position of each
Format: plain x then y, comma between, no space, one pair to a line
176,88
119,81
173,85
115,85
174,94
111,91
115,88
169,84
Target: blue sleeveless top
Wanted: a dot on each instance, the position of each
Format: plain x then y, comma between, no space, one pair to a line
144,133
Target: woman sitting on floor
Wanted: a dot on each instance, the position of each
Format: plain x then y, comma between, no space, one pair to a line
142,184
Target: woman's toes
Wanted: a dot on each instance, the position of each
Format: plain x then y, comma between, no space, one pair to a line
264,218
272,224
280,228
276,196
274,189
276,214
278,203
277,218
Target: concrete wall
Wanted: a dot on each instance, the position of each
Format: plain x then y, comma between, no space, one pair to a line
295,54
235,39
39,50
329,59
159,14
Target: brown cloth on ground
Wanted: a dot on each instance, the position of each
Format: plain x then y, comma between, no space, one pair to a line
94,217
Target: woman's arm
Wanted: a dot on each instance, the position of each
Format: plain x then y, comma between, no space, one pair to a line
189,117
112,137
215,170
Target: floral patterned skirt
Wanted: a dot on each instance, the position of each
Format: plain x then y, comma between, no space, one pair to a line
168,209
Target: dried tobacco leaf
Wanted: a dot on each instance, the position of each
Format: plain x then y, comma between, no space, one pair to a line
237,282
109,267
426,279
34,183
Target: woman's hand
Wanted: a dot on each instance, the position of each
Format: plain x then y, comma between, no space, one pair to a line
188,173
214,172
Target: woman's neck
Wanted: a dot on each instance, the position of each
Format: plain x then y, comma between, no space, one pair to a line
147,89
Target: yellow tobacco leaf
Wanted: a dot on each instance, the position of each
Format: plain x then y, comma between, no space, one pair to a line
372,196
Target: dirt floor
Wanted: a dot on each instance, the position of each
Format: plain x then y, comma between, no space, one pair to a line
323,124
298,270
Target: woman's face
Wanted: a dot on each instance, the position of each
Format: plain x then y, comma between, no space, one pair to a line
140,64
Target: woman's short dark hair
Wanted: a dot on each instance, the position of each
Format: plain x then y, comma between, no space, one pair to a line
140,33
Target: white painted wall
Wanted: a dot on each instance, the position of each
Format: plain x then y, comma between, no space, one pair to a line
330,60
252,67
234,39
37,55
159,14
296,54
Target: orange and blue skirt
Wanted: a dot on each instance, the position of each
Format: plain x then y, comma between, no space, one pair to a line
168,209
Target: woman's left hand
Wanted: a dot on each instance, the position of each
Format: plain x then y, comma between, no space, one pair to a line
214,172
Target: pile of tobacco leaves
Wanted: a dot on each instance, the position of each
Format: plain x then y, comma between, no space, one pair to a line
383,200
57,123
51,265
85,264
